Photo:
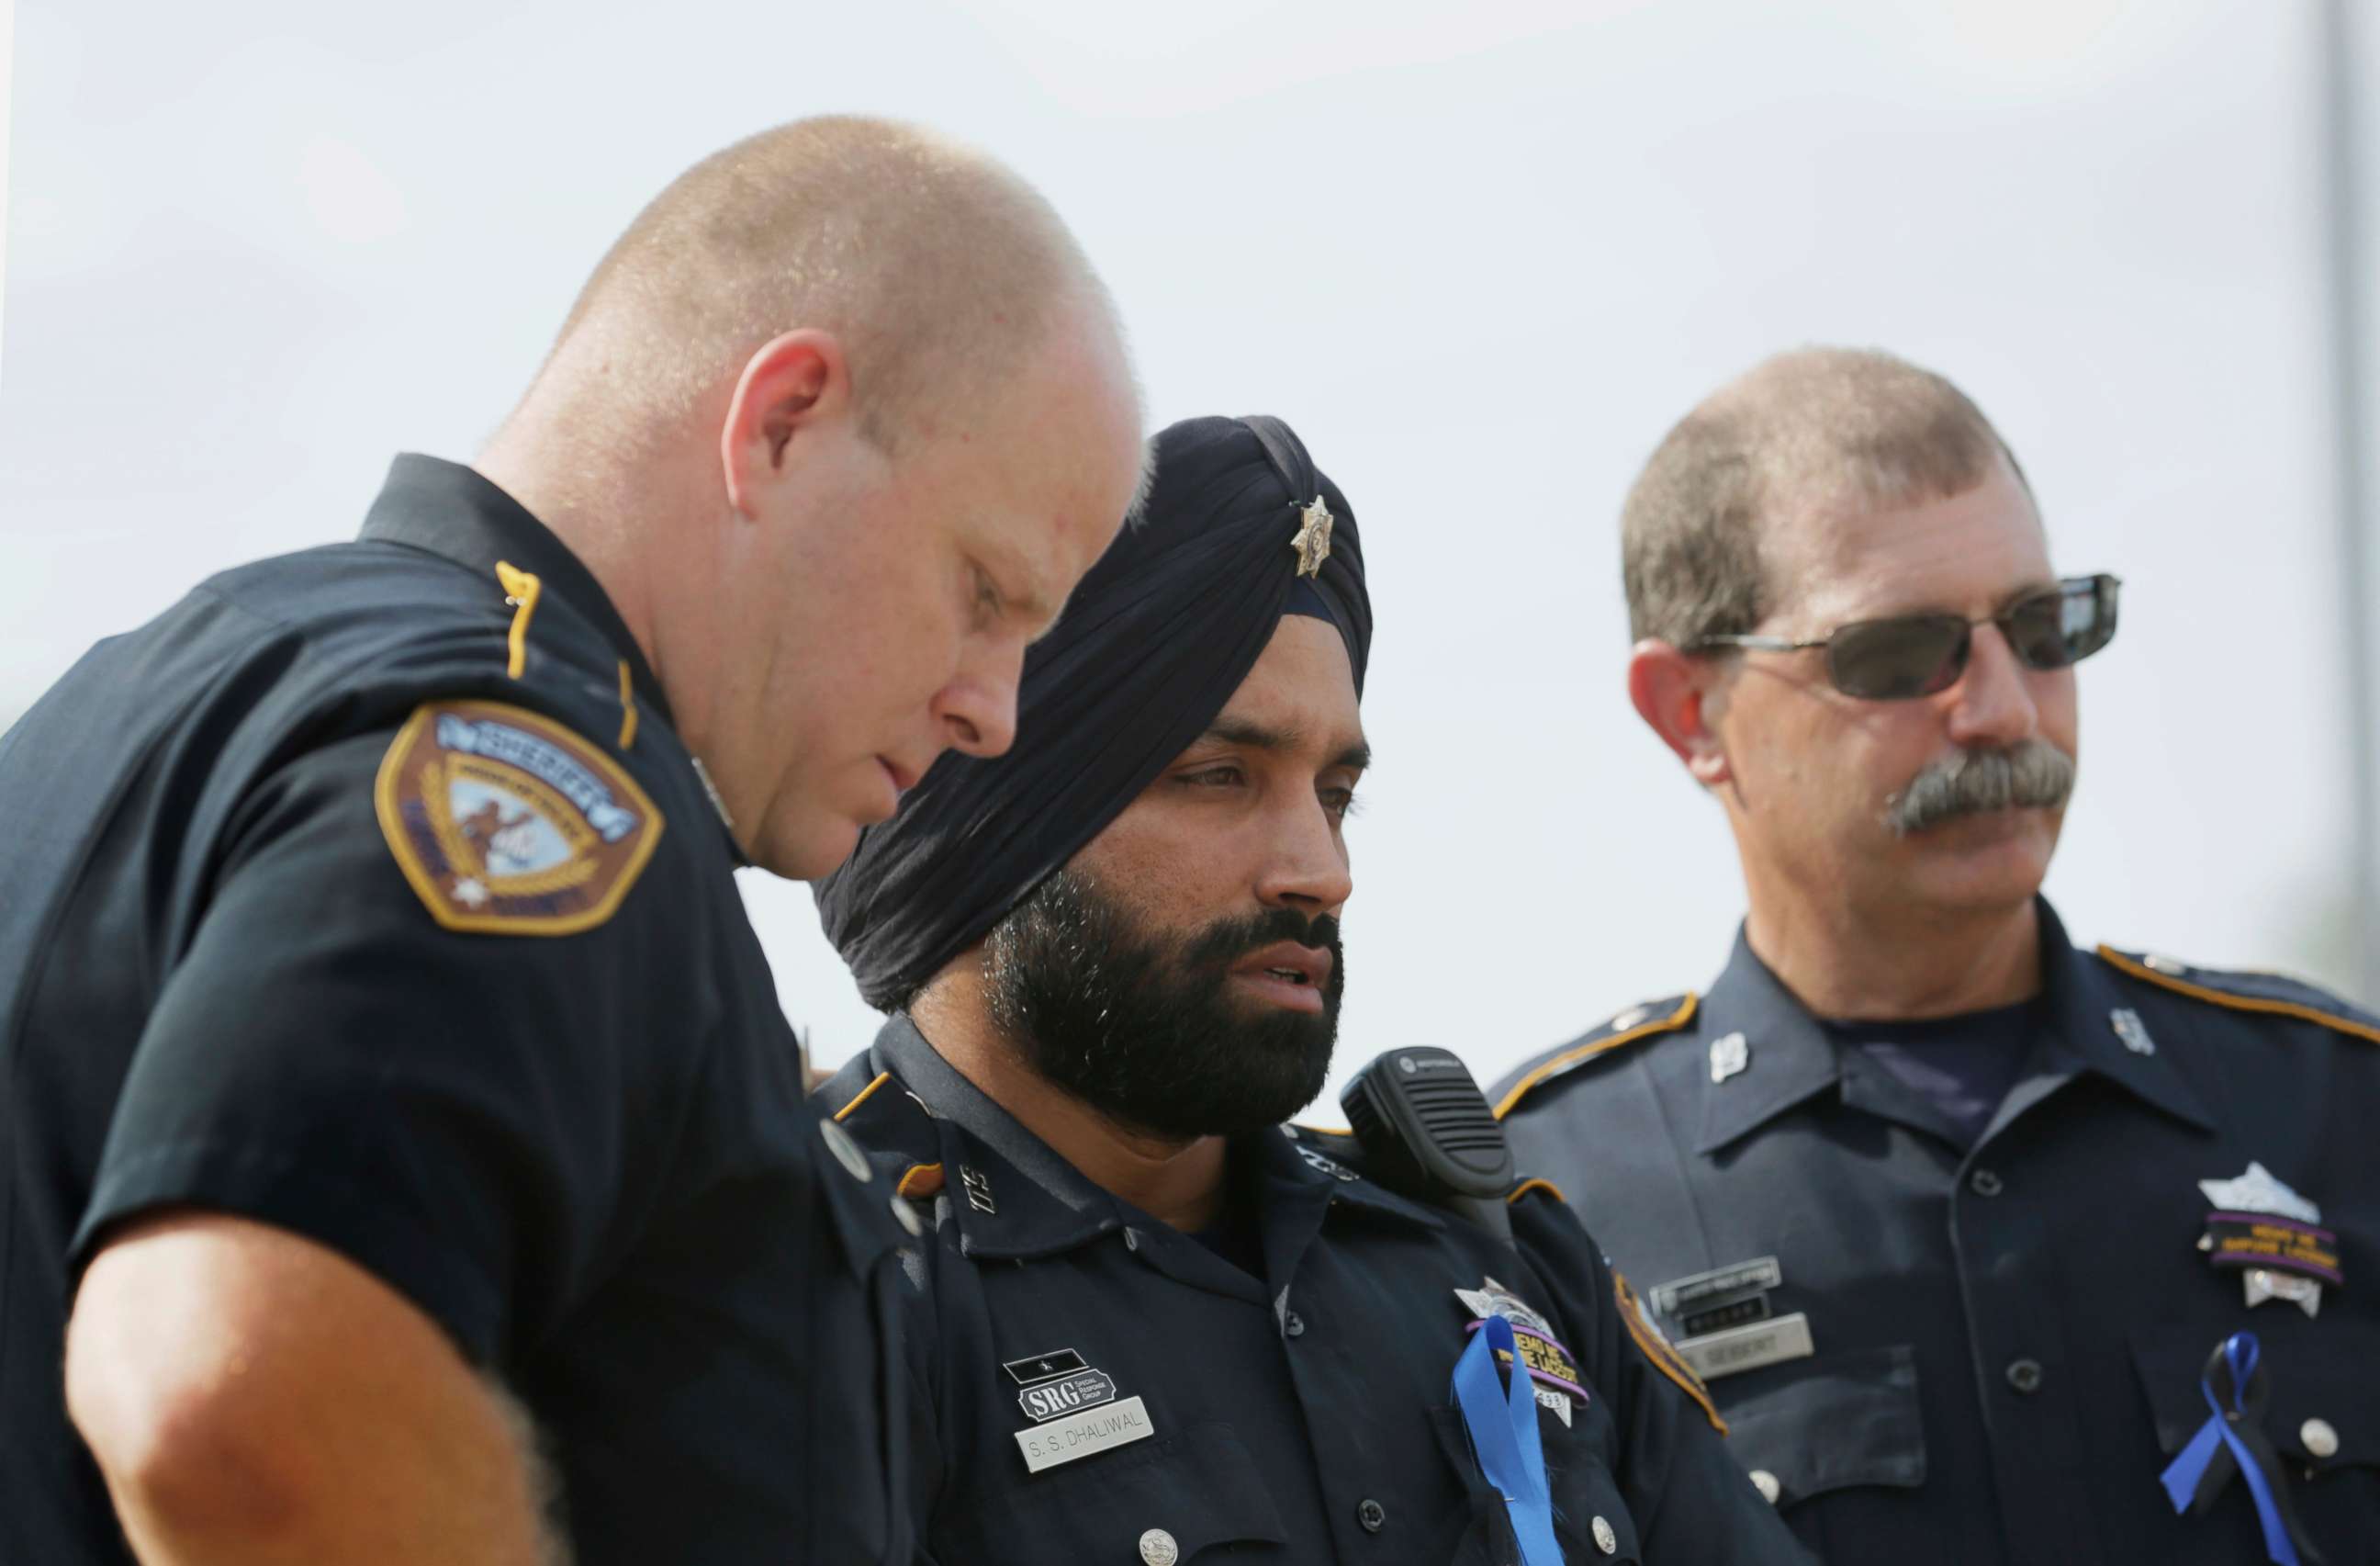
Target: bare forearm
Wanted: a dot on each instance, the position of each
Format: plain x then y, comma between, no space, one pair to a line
253,1517
252,1399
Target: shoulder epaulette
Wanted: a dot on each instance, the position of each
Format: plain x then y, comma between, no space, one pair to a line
1648,1020
1658,1348
2272,995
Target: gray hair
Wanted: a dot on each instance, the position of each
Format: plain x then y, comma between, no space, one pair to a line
1809,428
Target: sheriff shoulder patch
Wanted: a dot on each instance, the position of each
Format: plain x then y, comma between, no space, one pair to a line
506,821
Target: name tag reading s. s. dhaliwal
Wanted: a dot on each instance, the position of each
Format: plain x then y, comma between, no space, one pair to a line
1083,1435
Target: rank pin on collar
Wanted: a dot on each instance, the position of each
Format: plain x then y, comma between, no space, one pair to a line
1730,1055
979,1188
2131,1031
1313,540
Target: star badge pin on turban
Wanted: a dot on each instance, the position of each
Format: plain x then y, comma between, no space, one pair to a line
1313,540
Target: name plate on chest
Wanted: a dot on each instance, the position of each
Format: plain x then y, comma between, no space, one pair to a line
1747,1348
1085,1433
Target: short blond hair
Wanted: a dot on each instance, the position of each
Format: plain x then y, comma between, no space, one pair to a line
1816,427
932,263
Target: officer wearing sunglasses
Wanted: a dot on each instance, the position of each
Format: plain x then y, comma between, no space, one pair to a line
1992,1248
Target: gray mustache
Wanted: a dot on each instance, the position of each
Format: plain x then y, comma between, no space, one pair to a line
2030,776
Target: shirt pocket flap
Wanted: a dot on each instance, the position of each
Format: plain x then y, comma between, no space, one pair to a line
1832,1422
2325,1401
1200,1488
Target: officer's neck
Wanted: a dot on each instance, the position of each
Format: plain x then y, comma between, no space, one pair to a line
1897,966
598,482
1176,1182
589,494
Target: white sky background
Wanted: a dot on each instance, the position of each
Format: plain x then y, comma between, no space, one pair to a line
1481,256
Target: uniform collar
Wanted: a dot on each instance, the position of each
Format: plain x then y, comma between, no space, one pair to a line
1791,1057
455,513
2090,1005
1028,1200
1021,1198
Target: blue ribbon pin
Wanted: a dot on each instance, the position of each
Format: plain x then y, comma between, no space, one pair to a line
1504,1425
2233,1439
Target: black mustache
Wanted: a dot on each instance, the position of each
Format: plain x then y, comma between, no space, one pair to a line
1221,944
2033,775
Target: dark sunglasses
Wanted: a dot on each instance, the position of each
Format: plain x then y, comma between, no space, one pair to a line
1908,655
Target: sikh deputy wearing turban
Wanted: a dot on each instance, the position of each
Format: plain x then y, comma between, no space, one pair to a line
1154,1320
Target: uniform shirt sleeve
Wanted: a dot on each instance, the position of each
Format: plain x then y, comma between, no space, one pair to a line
450,1110
1690,1499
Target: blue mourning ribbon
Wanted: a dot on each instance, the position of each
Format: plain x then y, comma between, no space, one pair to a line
1503,1425
2231,1441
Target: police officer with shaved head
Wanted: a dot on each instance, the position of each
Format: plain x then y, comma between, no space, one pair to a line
402,1149
1993,1249
1157,1322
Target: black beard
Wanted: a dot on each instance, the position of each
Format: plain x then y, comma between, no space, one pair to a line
1142,1028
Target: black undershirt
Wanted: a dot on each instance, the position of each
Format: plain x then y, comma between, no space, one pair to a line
1963,1065
1236,1235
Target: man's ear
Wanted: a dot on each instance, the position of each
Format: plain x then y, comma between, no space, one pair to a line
1678,697
793,381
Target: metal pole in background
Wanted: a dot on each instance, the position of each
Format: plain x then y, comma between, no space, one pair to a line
2350,326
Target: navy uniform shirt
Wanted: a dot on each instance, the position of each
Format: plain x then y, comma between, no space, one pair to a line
1091,1384
372,896
2005,1335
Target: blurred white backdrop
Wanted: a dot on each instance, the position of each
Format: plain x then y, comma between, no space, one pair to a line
1480,255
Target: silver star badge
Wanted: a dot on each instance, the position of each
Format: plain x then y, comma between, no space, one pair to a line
1313,540
2258,1190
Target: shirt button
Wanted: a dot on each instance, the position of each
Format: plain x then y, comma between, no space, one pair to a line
2318,1439
1765,1483
1373,1515
1983,1182
1605,1539
2025,1375
1293,1324
1158,1549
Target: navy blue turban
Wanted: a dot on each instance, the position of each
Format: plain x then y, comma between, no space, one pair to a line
1151,646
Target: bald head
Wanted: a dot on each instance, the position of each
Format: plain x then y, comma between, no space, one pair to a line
837,424
935,269
1809,432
